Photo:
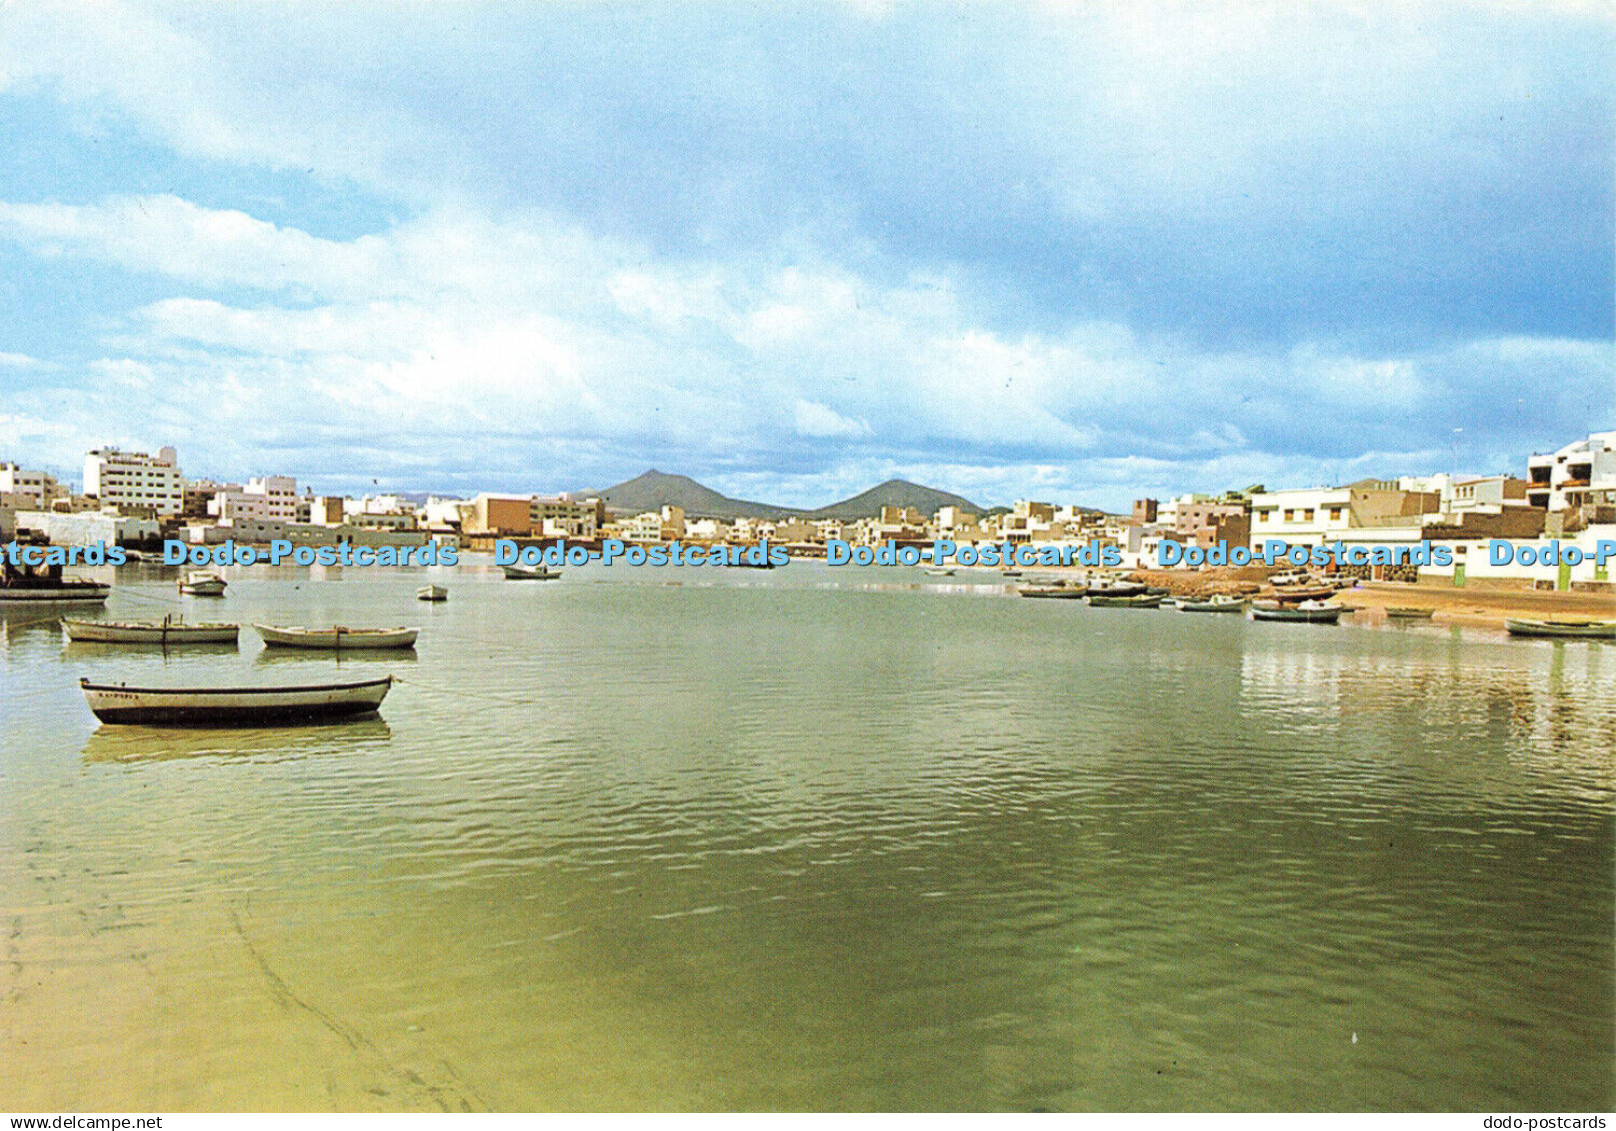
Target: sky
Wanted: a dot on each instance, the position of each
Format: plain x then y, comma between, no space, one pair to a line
1072,252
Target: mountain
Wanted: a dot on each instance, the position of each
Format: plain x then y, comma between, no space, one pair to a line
655,489
895,493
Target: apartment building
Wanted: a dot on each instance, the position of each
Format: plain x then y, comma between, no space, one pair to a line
135,482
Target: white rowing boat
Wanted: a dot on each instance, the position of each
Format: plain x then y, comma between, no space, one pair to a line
1563,629
523,573
432,593
337,638
1307,612
201,584
165,632
233,706
1221,603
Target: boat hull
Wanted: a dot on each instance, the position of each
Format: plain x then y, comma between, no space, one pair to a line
91,594
520,573
1211,606
432,593
234,706
1110,601
1587,630
108,632
338,639
1056,593
1298,616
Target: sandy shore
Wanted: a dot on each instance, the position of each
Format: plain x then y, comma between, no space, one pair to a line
1481,606
1474,604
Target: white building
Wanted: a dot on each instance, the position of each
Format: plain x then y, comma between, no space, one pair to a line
279,493
36,488
1578,474
135,481
1312,516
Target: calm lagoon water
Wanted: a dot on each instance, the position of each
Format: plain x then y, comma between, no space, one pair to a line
810,839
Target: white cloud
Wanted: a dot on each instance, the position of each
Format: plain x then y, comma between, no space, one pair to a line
816,421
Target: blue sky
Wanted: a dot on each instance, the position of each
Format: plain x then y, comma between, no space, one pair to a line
1075,252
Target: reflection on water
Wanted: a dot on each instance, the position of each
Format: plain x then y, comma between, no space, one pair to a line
115,743
86,649
772,842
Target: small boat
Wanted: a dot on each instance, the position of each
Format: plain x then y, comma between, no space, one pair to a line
233,706
36,585
1307,612
1117,588
523,573
934,571
1564,629
165,632
1057,592
202,584
1112,601
1221,603
1408,612
432,593
337,637
1011,573
1293,595
70,591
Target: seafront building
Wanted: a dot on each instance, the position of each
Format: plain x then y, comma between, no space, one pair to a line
134,482
1579,474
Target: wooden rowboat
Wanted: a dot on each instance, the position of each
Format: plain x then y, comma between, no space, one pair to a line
1308,612
1222,603
1112,601
164,632
1057,592
233,706
337,638
1408,612
202,585
523,573
432,593
1564,629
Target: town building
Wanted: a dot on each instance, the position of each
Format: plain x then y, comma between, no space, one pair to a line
35,489
134,482
1311,516
1580,474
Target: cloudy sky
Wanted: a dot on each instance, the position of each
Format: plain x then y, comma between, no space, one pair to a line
1080,252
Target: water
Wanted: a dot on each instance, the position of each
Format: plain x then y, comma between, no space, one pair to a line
810,839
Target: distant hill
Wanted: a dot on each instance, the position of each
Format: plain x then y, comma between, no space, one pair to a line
655,489
895,493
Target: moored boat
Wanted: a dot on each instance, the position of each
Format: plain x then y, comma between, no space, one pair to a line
1307,612
1295,595
1408,612
1057,592
934,571
1221,603
1117,588
202,584
70,591
1563,629
36,585
164,632
1112,601
338,637
233,706
432,593
523,573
